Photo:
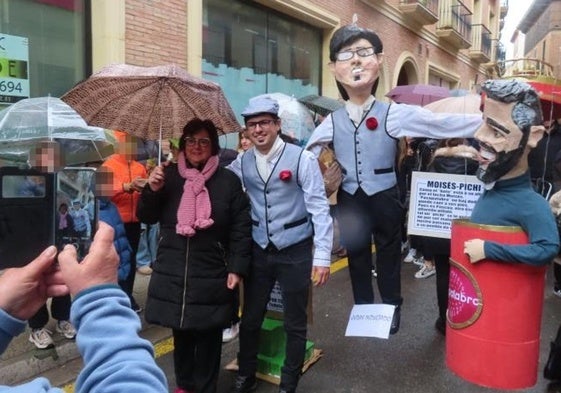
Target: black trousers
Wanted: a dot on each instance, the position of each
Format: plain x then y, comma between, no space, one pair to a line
60,310
132,230
292,268
362,217
557,274
196,359
438,250
442,265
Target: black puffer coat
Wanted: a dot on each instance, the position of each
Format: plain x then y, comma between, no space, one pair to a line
458,160
188,289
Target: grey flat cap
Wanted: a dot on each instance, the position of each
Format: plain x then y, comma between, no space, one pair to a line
261,104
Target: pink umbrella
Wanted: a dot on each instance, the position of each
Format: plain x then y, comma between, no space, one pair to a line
470,103
417,94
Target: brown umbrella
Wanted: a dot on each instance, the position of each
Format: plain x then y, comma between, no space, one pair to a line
150,102
470,103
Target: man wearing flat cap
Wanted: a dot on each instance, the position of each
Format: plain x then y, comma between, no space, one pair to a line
292,234
364,134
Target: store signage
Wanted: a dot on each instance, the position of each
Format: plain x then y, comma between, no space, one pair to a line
14,68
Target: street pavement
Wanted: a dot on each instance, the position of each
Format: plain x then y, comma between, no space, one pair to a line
411,361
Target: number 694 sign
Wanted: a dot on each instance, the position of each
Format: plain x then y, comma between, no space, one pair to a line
14,68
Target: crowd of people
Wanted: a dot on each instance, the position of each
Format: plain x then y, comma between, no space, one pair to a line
264,218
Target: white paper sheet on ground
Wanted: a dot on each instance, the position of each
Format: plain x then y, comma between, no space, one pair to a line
370,320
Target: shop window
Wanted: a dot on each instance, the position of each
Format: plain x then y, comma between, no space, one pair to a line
44,43
250,50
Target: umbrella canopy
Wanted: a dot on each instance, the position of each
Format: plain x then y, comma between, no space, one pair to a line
417,94
150,102
296,120
470,103
28,122
320,104
550,98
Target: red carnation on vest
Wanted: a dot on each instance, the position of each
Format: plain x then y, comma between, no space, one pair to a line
285,175
372,123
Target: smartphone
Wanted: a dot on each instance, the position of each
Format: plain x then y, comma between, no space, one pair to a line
27,199
40,209
76,209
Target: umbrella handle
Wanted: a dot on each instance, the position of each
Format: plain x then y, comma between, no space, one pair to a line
160,144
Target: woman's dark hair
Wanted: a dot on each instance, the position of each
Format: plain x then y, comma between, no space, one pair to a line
196,125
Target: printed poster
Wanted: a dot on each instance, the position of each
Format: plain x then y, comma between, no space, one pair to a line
438,198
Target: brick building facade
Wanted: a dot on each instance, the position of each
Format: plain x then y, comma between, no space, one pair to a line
422,42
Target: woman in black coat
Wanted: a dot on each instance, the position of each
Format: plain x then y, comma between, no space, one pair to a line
452,156
203,252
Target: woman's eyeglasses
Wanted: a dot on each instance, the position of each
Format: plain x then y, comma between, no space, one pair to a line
349,54
202,142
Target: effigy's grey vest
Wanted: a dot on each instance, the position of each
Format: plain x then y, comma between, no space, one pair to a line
278,211
367,156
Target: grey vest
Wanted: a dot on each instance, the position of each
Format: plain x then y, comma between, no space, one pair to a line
278,211
366,156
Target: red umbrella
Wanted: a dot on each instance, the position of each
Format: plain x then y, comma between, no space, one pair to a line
550,97
417,94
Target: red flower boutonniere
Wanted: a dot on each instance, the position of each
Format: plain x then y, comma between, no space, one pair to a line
372,123
285,175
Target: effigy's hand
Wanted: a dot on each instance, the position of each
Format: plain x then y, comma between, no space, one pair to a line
475,250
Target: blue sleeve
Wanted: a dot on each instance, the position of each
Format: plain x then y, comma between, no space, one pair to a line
38,385
116,358
538,222
9,328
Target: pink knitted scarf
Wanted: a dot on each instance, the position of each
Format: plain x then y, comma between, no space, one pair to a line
194,209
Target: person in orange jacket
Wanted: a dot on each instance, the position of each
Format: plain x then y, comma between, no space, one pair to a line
129,178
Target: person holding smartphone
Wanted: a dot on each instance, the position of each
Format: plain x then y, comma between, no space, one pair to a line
115,357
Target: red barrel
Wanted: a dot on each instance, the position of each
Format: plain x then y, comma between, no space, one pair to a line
494,312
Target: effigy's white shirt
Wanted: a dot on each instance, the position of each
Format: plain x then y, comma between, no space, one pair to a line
405,120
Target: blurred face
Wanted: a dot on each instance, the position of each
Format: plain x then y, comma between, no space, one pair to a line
128,147
198,148
103,182
262,131
357,66
47,157
499,140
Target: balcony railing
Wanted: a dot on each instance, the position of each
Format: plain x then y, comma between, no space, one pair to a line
504,8
496,66
424,12
528,68
481,43
454,24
